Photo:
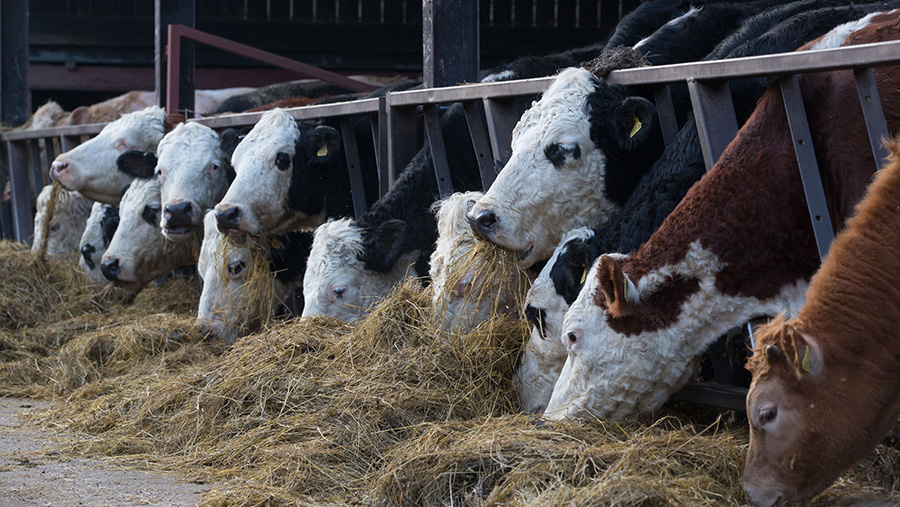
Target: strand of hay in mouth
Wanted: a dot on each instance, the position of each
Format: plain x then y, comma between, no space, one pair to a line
49,213
258,290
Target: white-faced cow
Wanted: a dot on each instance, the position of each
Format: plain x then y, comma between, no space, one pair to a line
194,170
139,252
738,246
98,232
90,168
228,308
66,221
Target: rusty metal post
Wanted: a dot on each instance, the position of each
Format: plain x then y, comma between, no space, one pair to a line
450,42
179,97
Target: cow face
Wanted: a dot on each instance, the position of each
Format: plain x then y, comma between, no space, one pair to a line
811,415
225,309
67,221
339,282
194,171
570,165
545,306
90,168
98,231
280,167
138,252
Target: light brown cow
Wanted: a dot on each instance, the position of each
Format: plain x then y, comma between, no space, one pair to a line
825,387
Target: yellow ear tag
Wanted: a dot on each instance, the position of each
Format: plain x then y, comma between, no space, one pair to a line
624,289
583,276
635,127
805,363
322,151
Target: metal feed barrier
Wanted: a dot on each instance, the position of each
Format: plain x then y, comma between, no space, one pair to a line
399,117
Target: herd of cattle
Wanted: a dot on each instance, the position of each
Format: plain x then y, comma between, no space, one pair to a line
644,258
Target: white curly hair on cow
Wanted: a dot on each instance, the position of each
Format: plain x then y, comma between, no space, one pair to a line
337,283
545,353
90,167
466,291
525,198
223,309
67,220
192,171
138,252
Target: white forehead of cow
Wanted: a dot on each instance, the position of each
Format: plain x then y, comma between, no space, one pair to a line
562,108
451,214
139,193
338,241
276,131
187,138
147,124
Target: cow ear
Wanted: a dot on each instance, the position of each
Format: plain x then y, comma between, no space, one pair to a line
808,354
616,288
139,164
230,139
325,143
78,116
385,247
172,120
570,271
634,119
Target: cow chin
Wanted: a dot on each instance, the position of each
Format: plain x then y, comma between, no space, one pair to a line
181,234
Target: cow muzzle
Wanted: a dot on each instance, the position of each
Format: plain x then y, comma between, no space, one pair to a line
58,169
179,218
228,221
111,269
483,223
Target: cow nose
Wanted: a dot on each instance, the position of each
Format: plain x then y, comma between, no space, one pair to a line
57,167
179,214
87,250
227,218
110,269
574,338
483,222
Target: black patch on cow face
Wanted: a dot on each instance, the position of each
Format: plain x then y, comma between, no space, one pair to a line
383,246
139,164
537,317
151,213
87,250
571,265
287,259
558,153
109,223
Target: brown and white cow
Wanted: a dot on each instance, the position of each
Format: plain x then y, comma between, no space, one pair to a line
825,388
739,246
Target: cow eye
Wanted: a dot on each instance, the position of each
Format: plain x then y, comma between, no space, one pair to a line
557,152
124,145
766,415
283,161
236,268
213,167
54,227
151,212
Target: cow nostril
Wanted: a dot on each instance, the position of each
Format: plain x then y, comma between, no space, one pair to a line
87,250
228,218
179,213
485,221
58,166
110,269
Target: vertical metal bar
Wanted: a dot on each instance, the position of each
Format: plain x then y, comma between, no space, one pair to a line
402,127
23,220
173,68
174,12
438,151
450,42
806,159
15,99
36,168
501,116
481,142
718,355
715,117
382,147
665,110
66,143
873,113
354,169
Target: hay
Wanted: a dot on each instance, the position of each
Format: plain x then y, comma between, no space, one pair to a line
49,213
257,292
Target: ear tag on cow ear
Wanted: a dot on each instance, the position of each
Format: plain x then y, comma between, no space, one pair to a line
322,151
804,364
583,275
635,127
276,244
624,289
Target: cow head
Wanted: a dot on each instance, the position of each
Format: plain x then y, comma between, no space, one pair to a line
138,252
283,169
98,231
350,269
812,415
67,221
194,171
576,156
91,169
554,289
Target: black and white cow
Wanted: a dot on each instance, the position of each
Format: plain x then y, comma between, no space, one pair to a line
138,252
66,221
228,309
98,232
90,168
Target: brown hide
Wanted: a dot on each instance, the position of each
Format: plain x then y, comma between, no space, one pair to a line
834,403
750,209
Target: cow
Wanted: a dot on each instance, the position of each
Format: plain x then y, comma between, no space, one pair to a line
580,150
738,246
229,308
194,170
138,252
90,168
99,229
66,222
545,306
824,390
